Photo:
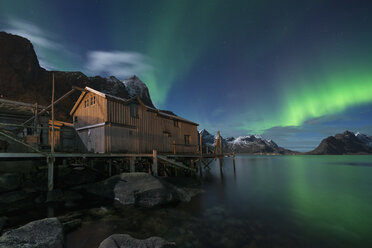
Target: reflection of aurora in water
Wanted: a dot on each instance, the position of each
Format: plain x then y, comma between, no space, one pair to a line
281,201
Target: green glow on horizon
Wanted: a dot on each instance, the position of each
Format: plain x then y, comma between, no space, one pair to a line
322,96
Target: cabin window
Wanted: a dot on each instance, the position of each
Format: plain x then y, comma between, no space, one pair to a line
91,101
75,118
94,99
133,110
175,123
187,139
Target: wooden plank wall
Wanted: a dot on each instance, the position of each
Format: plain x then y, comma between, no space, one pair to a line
92,114
123,133
146,132
93,139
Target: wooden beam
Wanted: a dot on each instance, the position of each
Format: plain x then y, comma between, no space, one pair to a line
46,109
175,163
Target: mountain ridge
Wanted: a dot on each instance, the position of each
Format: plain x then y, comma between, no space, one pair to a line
343,144
250,144
23,79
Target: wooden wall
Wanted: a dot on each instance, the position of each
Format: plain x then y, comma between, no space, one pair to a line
124,133
146,132
94,139
92,114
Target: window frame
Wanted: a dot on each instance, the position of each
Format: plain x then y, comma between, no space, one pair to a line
133,109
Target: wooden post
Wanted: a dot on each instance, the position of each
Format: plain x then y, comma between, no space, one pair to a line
35,120
110,167
221,172
200,168
51,159
174,147
132,165
201,156
200,145
220,143
155,162
192,166
234,160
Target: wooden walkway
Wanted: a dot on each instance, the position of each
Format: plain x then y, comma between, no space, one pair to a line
175,161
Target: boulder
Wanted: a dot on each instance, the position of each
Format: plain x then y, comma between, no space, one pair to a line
126,241
140,189
9,181
43,233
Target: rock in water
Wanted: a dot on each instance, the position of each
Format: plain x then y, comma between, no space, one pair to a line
126,241
141,189
45,233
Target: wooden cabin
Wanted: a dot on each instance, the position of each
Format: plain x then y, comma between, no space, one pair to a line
109,124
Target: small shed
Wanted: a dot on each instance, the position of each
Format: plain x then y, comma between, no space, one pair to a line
109,124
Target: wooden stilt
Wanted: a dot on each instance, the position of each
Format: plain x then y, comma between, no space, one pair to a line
51,159
155,163
234,160
110,167
132,165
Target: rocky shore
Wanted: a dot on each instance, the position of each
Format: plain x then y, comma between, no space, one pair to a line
126,189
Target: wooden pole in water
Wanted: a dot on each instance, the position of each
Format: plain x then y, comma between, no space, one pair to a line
200,157
220,143
155,163
110,167
51,159
132,166
234,161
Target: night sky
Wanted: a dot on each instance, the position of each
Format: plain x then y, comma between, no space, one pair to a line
293,71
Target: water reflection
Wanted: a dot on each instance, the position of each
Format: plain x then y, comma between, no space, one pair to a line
261,201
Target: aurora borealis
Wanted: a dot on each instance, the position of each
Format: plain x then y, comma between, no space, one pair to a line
293,71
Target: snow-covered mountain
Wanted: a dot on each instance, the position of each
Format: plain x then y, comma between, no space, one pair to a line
135,87
367,140
344,143
253,144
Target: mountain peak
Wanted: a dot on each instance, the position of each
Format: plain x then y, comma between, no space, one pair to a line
253,144
136,87
345,143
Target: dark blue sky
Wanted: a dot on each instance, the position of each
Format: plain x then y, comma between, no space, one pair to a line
293,71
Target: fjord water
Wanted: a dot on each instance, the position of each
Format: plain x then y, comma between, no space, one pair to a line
267,201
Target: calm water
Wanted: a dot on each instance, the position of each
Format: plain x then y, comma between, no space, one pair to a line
269,201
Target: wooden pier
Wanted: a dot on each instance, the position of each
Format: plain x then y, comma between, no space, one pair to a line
168,156
191,163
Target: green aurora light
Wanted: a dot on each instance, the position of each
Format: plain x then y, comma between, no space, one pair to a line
318,97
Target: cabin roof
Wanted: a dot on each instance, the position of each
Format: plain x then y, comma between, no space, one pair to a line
127,101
